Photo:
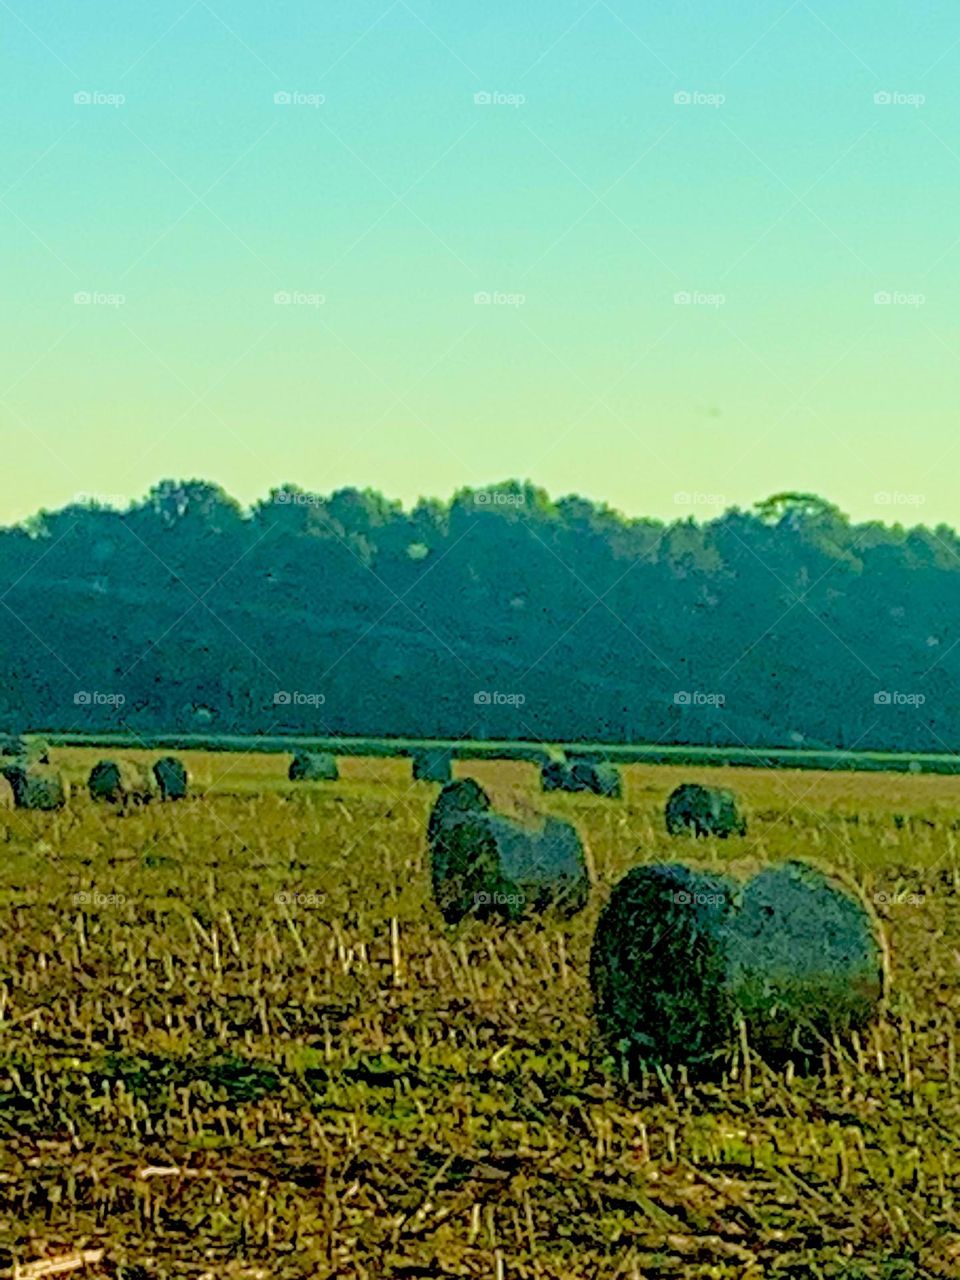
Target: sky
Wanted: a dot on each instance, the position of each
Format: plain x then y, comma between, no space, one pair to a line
671,256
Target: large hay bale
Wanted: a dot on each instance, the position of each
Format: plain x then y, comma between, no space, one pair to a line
806,961
704,811
7,799
681,958
486,864
170,775
313,766
432,765
125,783
37,786
658,969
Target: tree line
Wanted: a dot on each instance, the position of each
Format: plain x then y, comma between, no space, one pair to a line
503,613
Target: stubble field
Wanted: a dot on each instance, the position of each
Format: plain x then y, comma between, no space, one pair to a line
236,1039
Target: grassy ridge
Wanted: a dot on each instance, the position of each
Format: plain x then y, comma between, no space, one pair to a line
738,757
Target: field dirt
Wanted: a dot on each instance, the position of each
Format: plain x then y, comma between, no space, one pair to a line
237,1040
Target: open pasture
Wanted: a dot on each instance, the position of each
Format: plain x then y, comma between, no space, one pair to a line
236,1039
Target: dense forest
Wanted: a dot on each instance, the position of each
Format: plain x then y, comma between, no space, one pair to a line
501,614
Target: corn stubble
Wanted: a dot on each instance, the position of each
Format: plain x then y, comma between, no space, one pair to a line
237,1039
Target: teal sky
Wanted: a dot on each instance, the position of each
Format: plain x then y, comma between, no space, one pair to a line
584,209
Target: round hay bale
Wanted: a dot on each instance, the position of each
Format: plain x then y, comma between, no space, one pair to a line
13,746
26,750
658,969
596,776
313,766
449,846
554,776
806,961
170,775
7,800
125,783
37,787
704,811
486,864
432,765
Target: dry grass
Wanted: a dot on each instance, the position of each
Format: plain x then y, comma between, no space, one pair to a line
236,1039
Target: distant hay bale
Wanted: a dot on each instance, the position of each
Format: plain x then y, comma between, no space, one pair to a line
806,961
704,811
596,776
680,959
554,776
170,775
658,969
486,864
12,746
432,765
37,786
313,766
7,799
125,783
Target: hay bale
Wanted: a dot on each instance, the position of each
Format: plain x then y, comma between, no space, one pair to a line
680,958
432,765
125,783
704,811
486,864
554,776
658,969
595,776
37,786
313,766
806,961
170,775
7,800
